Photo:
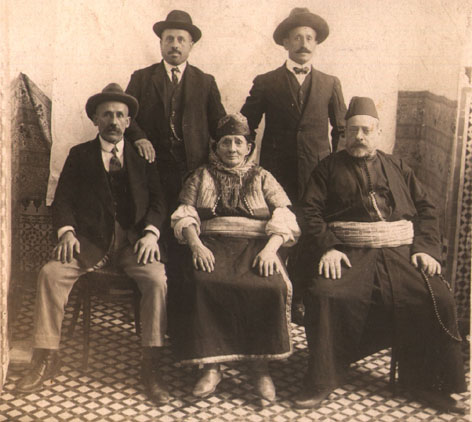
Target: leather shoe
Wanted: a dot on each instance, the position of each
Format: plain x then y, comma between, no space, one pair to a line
207,383
440,401
312,398
156,392
45,365
265,387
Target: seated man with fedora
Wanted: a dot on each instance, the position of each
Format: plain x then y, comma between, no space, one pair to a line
374,254
108,208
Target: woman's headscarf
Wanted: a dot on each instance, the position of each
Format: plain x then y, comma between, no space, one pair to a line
231,182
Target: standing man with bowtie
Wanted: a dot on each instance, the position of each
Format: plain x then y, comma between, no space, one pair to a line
298,102
180,107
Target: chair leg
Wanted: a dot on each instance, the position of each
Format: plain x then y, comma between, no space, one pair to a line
393,371
86,312
76,312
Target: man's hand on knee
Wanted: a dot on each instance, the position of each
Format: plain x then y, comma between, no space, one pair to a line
147,249
330,263
426,262
65,248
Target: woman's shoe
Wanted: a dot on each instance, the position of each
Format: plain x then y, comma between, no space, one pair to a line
262,381
208,382
265,387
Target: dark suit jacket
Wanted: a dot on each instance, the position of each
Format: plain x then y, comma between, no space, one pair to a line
202,110
295,140
83,199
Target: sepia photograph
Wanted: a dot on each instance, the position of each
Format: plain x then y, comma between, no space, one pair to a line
230,210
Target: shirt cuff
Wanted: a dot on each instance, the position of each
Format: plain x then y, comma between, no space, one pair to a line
152,229
64,229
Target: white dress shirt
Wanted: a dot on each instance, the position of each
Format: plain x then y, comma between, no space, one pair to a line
169,67
290,64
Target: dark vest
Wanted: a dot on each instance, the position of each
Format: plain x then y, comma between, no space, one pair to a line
300,92
122,202
174,114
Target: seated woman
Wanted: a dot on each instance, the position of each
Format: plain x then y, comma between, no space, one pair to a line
235,296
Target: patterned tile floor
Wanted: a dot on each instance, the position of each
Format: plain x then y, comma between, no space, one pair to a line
110,389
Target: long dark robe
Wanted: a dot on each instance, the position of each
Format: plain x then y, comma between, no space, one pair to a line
232,313
340,323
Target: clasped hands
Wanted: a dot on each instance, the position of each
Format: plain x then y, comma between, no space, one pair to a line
146,248
332,260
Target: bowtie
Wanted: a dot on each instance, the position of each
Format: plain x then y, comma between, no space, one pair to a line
303,70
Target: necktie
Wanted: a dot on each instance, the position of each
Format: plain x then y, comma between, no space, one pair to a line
175,78
115,164
301,70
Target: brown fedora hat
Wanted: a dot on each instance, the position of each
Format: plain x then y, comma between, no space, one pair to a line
178,19
301,16
112,92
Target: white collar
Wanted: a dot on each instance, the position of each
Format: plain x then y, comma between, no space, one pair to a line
181,67
108,146
290,64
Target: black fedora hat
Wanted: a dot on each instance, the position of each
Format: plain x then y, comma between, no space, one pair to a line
112,92
301,16
178,19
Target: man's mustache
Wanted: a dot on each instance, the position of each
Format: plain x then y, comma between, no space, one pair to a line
113,128
303,50
174,50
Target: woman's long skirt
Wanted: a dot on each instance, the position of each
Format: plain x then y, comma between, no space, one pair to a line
232,313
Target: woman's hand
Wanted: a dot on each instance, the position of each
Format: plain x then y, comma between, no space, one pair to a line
203,258
267,259
268,263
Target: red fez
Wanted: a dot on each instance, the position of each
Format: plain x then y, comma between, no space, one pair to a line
361,106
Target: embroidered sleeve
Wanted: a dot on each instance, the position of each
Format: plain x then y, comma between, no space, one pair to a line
184,216
190,190
284,223
274,194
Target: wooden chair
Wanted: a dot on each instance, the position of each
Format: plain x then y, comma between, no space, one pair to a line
110,285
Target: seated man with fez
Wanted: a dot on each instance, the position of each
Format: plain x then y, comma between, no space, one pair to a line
108,208
377,280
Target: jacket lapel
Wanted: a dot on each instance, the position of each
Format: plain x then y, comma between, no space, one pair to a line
284,94
189,84
311,103
158,79
136,175
98,176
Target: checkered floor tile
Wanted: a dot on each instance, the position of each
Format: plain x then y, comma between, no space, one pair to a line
111,391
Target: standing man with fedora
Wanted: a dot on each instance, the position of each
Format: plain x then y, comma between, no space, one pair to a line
108,207
180,107
298,102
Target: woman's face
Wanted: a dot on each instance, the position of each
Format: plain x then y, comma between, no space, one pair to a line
233,149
